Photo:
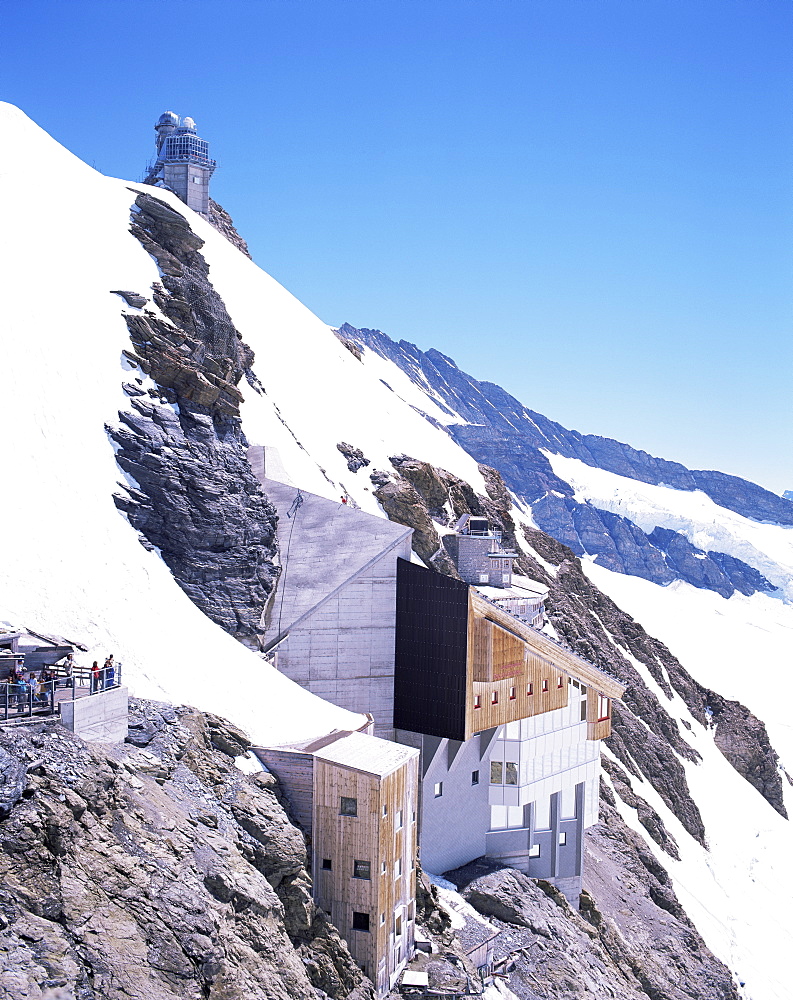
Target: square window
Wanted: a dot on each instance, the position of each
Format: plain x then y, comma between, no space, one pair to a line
361,869
483,578
349,806
360,921
474,777
327,865
562,838
534,851
496,772
438,789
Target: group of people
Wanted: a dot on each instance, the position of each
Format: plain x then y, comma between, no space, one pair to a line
24,690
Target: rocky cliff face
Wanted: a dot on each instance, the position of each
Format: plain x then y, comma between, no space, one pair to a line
502,433
220,219
156,868
192,494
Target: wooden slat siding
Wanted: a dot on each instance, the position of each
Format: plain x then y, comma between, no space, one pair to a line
540,644
524,705
483,648
295,772
596,730
372,837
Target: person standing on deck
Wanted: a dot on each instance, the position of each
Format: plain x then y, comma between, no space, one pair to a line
94,677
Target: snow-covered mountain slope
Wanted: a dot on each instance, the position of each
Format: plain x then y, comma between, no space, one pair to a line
74,563
71,564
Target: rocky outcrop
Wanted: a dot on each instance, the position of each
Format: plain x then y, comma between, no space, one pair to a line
191,492
630,939
220,219
157,869
355,457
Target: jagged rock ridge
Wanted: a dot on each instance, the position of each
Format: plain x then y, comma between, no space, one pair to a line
502,433
195,497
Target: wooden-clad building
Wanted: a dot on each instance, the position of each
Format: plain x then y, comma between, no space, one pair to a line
356,796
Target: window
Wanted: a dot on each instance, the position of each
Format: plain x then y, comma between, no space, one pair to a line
534,851
397,926
496,772
483,578
361,869
398,821
477,701
382,919
414,816
560,682
512,694
506,577
398,868
349,807
562,838
545,686
494,698
474,777
530,689
510,773
382,868
327,865
604,708
438,789
360,921
583,710
385,811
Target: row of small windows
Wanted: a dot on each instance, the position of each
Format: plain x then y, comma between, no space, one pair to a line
348,806
513,692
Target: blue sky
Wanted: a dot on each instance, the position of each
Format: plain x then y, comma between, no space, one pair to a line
586,201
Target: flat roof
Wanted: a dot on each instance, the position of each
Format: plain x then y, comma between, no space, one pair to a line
357,751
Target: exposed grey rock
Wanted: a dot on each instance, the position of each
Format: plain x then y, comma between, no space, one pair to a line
196,498
355,457
220,219
631,939
126,873
131,298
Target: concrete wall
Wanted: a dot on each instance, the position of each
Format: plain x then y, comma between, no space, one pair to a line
100,717
191,183
344,650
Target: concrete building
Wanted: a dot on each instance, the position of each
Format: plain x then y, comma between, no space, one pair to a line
477,552
330,623
506,720
356,796
182,163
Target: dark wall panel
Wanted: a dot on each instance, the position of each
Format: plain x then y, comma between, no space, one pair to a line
431,651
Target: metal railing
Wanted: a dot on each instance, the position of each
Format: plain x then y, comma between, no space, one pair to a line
20,699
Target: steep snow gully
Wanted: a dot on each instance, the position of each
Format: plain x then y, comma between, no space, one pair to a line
104,327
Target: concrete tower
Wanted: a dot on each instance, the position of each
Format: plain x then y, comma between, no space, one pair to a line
182,163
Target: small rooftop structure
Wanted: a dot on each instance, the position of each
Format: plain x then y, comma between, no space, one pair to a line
477,552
